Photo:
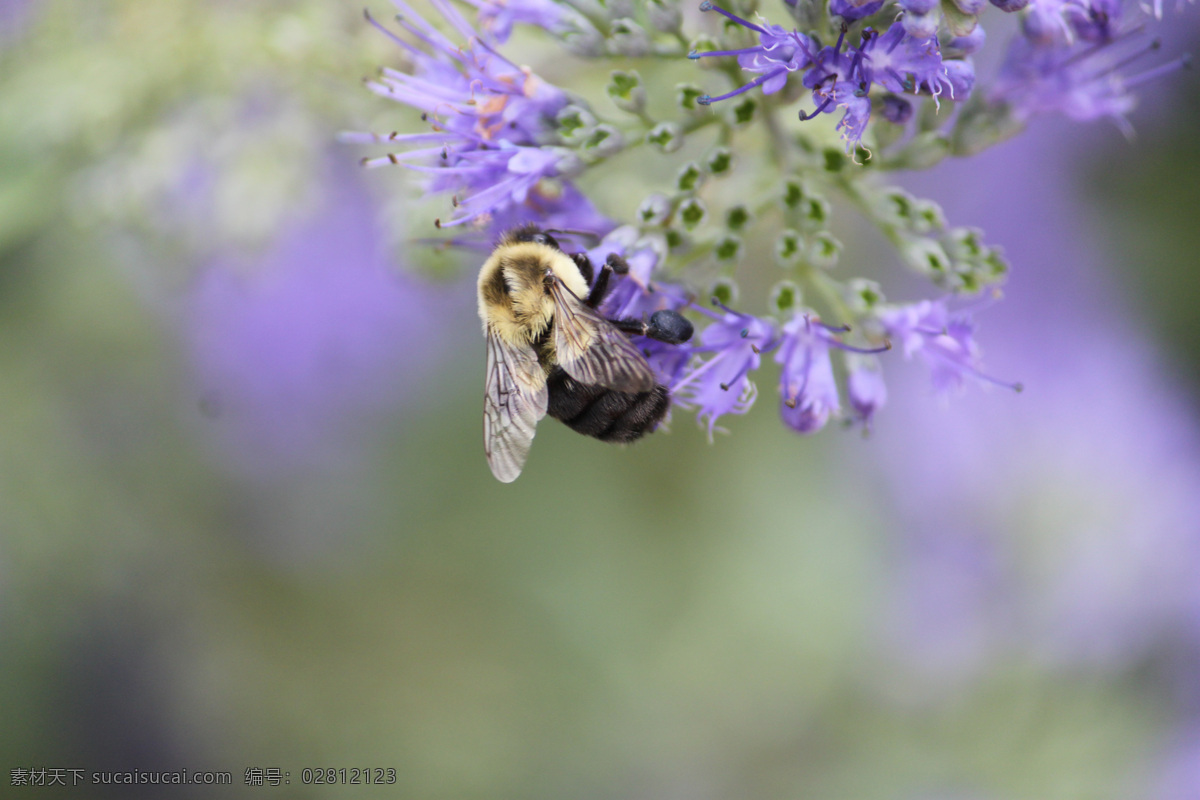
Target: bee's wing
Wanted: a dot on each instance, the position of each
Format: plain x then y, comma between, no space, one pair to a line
592,351
515,398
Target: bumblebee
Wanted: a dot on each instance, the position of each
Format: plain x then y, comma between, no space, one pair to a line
549,351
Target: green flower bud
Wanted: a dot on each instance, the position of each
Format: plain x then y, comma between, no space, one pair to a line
719,160
926,257
927,217
743,113
655,210
964,244
814,212
627,92
785,297
922,152
686,94
728,248
604,140
667,136
664,15
737,218
863,295
896,207
575,124
630,39
958,20
790,247
793,193
677,240
689,178
703,44
823,250
725,290
692,212
835,160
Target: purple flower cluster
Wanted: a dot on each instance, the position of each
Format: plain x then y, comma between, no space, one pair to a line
842,76
1075,57
491,123
505,144
716,381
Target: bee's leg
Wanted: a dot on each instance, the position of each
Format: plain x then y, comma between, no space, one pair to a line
670,327
585,266
614,263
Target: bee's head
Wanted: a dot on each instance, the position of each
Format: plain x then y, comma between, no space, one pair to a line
530,232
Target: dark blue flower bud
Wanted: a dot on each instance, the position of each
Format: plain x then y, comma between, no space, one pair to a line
896,109
959,46
1010,5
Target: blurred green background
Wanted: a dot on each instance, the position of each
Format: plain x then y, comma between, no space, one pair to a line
246,522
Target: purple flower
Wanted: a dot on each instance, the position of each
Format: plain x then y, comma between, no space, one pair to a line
489,118
807,388
1084,82
902,63
1094,20
958,46
857,105
721,385
498,16
295,349
865,387
779,52
1045,23
636,294
946,342
669,361
921,26
896,109
842,79
894,60
557,204
852,10
1061,22
808,391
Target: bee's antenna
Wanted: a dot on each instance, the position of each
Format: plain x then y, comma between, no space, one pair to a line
591,236
445,244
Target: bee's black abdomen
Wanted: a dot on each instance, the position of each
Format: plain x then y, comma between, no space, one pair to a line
607,415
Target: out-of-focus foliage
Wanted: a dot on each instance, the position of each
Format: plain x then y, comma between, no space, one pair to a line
301,560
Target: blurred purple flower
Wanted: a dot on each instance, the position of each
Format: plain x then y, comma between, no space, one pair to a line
865,387
497,17
944,340
1074,60
15,16
1181,775
1078,504
295,347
